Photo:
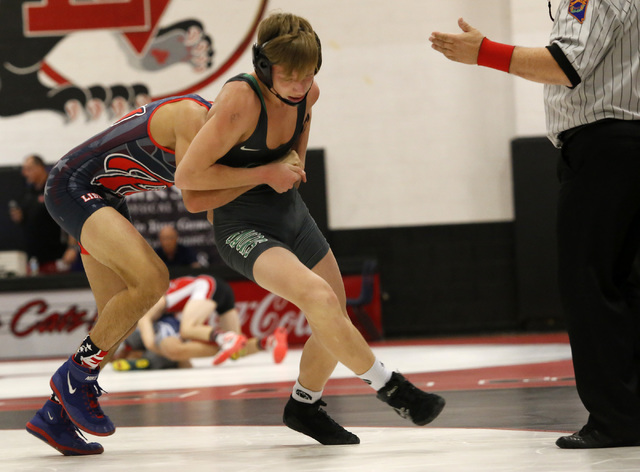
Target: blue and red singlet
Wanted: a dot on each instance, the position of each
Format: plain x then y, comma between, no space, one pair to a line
122,160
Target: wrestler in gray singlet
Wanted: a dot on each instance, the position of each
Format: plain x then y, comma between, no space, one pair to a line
262,218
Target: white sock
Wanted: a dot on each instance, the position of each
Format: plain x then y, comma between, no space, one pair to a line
304,395
378,376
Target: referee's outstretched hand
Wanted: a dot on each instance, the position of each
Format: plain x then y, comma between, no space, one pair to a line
462,47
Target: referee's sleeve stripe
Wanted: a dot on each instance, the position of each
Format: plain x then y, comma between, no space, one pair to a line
564,64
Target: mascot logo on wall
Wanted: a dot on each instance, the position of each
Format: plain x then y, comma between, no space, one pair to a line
92,56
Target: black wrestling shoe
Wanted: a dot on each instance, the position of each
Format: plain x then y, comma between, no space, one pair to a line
409,401
589,438
310,419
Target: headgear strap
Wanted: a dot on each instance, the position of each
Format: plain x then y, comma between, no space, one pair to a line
264,67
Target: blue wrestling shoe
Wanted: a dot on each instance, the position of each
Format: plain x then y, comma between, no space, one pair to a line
77,389
52,424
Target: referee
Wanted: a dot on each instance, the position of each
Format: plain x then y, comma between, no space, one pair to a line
591,72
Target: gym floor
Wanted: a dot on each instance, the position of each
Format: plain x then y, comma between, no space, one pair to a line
508,399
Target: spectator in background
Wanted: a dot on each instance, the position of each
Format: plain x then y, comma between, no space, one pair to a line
51,247
173,253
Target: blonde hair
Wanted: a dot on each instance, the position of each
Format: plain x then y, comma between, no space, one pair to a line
289,41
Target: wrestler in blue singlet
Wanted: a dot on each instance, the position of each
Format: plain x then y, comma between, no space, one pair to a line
119,161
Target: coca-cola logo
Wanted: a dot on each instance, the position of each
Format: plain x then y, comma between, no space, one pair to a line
36,316
261,317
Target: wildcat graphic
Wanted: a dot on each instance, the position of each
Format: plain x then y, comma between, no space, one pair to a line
30,30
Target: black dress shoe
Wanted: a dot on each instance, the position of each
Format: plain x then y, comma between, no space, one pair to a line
592,438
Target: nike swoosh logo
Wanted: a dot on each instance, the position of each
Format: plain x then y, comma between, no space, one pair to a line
244,148
71,389
49,414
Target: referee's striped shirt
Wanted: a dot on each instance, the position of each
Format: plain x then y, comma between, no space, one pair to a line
597,44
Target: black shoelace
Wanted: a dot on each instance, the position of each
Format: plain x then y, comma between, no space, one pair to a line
72,429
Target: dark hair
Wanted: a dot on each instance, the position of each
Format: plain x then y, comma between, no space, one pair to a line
37,160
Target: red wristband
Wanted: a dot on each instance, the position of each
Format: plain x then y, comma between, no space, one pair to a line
495,55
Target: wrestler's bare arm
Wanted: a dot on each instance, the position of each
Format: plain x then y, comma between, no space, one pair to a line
231,120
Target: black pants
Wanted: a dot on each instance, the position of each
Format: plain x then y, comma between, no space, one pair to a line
598,242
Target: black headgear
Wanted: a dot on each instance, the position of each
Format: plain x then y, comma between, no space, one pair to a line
262,65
